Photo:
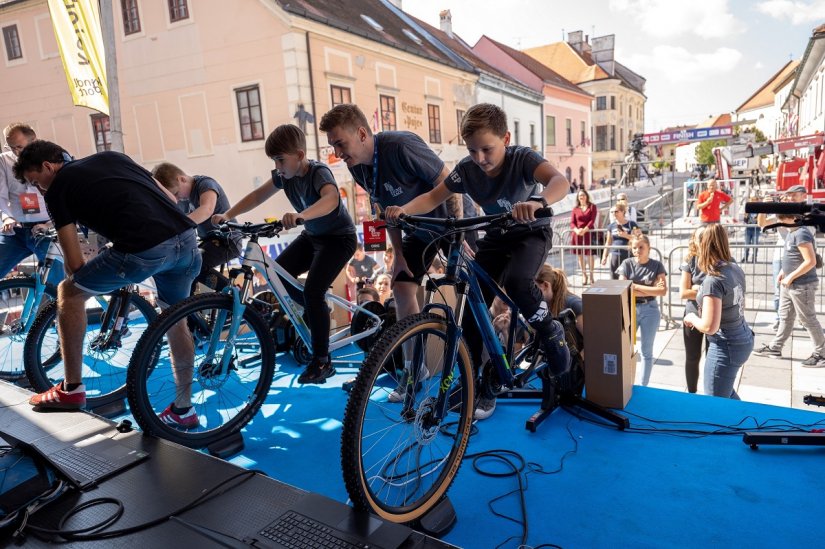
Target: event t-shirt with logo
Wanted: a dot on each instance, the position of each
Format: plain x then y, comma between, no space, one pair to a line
644,274
364,268
118,199
792,257
713,211
729,286
407,168
514,183
304,191
200,185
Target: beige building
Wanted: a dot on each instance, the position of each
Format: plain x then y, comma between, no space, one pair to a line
618,109
203,83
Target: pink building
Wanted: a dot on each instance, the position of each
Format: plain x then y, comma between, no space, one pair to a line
567,108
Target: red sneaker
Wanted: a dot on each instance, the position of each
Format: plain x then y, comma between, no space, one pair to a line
189,420
58,399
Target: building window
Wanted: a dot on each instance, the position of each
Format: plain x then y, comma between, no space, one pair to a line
581,176
131,17
584,136
630,111
340,95
568,173
612,143
568,132
249,113
178,10
459,116
601,103
388,113
533,136
550,130
12,40
100,129
601,138
516,132
434,116
612,102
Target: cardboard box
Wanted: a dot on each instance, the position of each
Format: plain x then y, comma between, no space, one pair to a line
609,330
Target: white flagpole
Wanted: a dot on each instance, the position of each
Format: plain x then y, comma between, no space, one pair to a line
107,25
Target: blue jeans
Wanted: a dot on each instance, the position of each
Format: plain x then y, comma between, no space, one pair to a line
16,247
647,320
173,264
751,239
728,350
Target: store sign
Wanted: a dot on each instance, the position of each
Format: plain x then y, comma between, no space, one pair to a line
413,116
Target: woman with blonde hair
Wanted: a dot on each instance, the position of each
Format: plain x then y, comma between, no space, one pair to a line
721,315
690,283
619,233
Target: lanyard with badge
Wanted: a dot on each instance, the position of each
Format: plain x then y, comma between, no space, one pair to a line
375,233
30,201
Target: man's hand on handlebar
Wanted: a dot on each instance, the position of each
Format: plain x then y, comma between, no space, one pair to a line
525,212
219,219
291,220
393,213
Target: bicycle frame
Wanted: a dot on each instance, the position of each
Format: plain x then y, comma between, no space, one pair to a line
254,258
41,275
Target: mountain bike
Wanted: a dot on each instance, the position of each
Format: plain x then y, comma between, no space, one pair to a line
21,299
234,357
399,459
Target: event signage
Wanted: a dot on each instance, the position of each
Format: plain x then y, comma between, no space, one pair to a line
692,134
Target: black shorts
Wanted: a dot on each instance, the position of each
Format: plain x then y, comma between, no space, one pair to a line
419,255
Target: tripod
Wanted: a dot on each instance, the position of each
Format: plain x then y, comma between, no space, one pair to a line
634,162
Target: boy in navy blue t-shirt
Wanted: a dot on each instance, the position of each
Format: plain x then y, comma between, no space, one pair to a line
502,178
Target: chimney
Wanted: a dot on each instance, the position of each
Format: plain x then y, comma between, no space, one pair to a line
586,44
575,40
396,3
446,22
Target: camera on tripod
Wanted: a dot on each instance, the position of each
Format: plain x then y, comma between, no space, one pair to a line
638,143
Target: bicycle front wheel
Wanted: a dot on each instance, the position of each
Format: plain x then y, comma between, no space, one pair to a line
19,306
225,384
399,458
105,353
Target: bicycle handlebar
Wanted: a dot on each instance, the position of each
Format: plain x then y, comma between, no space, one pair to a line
263,229
453,223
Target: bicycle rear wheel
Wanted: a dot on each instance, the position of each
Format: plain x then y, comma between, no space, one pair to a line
106,351
18,309
399,461
224,400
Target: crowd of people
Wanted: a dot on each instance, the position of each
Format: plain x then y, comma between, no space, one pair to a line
150,217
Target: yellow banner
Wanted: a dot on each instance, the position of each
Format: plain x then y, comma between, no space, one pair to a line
77,29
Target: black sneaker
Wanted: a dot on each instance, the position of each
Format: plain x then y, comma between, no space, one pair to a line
814,361
317,372
767,350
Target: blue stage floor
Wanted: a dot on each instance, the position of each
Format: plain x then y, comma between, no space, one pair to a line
599,487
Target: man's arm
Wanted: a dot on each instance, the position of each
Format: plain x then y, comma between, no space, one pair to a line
70,245
6,217
208,199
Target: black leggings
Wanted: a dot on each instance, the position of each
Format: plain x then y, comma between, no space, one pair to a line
693,355
616,259
513,260
322,258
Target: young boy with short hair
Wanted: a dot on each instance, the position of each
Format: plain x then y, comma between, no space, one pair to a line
322,249
502,178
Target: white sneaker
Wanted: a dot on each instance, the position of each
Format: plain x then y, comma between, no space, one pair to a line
398,394
485,408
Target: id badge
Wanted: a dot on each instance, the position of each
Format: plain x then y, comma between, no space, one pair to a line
375,236
30,203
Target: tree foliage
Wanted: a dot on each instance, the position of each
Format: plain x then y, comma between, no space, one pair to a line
704,151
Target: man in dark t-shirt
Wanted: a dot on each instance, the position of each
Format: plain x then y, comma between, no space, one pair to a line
200,197
115,197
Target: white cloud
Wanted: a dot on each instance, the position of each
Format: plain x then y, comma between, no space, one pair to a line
798,13
758,65
666,18
678,65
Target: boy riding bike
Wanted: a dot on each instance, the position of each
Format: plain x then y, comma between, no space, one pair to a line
501,178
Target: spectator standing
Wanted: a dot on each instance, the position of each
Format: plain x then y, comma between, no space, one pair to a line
721,316
583,220
798,282
619,233
649,282
690,283
387,260
752,232
382,285
631,214
796,193
711,202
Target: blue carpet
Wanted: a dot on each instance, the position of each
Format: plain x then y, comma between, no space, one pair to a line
614,489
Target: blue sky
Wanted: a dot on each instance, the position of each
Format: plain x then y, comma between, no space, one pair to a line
700,57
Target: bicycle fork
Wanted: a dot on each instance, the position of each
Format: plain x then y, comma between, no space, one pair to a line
238,309
114,322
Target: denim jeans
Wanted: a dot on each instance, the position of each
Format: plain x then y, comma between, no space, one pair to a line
729,348
751,239
647,320
16,247
799,299
173,264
